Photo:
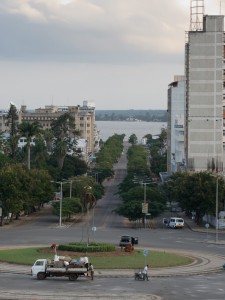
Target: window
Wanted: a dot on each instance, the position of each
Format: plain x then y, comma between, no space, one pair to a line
39,263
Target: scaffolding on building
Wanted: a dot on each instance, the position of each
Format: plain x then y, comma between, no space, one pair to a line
197,9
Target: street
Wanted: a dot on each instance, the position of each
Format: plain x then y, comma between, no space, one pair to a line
208,287
45,231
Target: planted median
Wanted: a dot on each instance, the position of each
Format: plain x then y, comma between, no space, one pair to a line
109,257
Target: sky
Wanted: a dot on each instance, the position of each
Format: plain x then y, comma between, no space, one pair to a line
118,54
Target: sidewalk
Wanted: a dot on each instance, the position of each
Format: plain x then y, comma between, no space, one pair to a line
211,230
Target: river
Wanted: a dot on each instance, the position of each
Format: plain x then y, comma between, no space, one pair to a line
140,129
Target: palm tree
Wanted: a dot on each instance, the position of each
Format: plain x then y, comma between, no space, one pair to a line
60,152
61,129
48,136
29,130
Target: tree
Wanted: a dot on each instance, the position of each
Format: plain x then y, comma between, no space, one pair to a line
133,199
39,153
12,123
12,119
62,128
133,139
71,206
13,183
131,210
40,190
196,192
60,150
29,130
73,166
158,153
48,136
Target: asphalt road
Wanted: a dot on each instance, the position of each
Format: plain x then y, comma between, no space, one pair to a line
45,231
208,287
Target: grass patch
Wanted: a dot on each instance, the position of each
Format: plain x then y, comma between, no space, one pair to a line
155,259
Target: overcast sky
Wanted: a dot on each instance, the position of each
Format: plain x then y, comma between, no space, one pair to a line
119,54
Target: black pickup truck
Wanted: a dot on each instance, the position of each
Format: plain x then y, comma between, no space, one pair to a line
126,240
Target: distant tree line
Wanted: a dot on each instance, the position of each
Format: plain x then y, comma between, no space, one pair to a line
123,115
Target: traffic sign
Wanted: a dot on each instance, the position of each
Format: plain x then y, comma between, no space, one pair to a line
145,252
144,208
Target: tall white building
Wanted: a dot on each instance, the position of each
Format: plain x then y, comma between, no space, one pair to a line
204,70
175,125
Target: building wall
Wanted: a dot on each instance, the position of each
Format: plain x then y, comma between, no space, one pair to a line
175,125
3,121
204,94
84,118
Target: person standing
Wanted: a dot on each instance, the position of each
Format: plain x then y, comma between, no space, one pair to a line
91,269
145,273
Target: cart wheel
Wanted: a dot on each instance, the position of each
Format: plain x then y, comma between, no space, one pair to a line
73,277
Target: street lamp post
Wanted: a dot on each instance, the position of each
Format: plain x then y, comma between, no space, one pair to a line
61,199
145,183
71,182
217,192
60,205
217,203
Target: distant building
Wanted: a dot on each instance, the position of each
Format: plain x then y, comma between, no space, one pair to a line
84,119
175,125
23,141
3,121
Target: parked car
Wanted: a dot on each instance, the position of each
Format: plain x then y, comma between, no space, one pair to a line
126,240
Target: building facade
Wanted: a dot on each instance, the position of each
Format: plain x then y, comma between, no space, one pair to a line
84,119
3,121
175,125
204,70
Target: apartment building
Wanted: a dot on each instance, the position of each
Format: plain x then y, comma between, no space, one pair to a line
204,70
3,121
175,125
84,119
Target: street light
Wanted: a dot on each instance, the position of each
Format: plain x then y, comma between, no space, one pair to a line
145,204
217,203
60,203
217,192
143,181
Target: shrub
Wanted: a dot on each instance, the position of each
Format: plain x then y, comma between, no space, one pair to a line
91,247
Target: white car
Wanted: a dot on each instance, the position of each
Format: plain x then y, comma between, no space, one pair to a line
175,222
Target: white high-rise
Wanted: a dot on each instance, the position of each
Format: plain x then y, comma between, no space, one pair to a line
175,125
204,70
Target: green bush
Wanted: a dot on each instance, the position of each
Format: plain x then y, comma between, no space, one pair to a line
83,247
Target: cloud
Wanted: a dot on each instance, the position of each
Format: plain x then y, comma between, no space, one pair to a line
117,53
91,31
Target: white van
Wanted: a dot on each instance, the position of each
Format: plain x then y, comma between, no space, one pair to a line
176,222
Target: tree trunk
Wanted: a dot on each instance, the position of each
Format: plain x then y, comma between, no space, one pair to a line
28,157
